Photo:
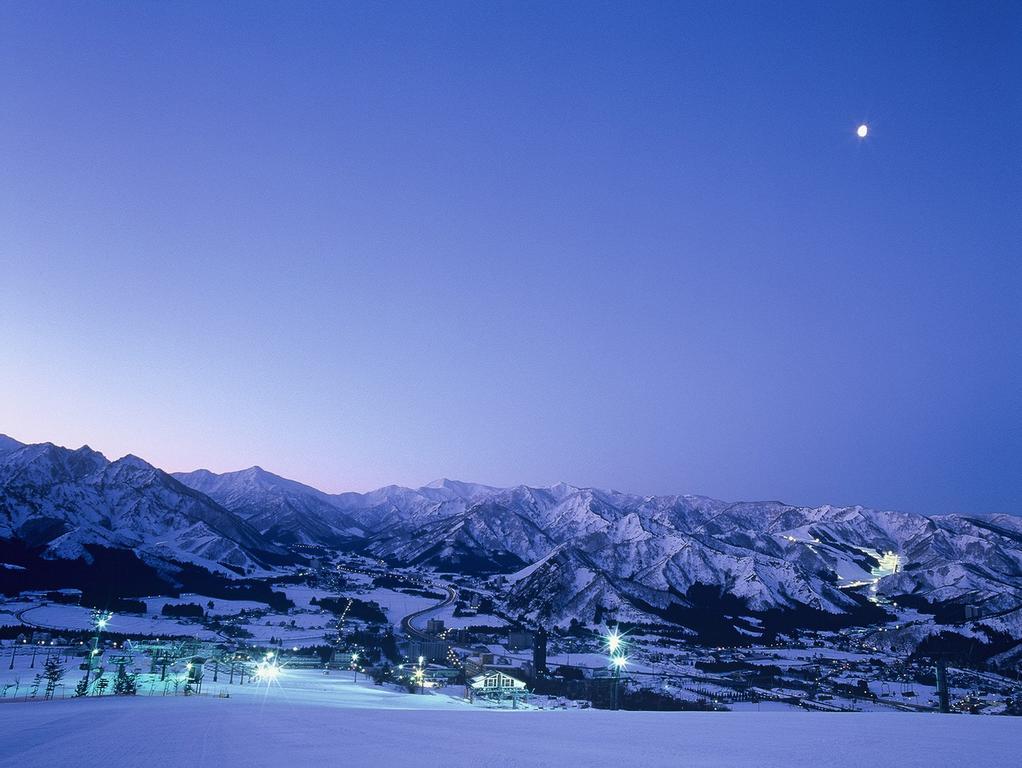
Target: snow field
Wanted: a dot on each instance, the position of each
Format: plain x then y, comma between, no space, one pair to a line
204,732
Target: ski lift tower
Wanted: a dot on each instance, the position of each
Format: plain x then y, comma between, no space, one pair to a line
100,619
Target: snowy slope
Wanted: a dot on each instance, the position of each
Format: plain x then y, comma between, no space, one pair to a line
282,509
352,727
64,500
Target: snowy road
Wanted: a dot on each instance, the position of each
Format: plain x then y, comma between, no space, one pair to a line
203,732
410,629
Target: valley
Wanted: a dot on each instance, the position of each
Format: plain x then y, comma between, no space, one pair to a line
720,605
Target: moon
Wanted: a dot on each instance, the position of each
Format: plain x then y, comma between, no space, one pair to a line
862,131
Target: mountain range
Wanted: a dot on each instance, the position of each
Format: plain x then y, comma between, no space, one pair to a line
555,554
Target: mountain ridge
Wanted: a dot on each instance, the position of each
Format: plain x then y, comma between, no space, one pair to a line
558,553
649,556
66,501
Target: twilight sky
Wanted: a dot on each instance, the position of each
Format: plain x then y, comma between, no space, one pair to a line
620,244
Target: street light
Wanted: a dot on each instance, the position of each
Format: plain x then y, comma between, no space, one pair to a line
618,661
267,671
613,641
100,620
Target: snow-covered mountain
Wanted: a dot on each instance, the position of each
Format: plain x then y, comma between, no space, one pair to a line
557,553
9,444
62,502
584,553
284,510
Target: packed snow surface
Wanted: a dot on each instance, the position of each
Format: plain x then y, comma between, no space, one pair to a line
205,731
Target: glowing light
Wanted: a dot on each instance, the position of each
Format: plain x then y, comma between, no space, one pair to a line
862,131
267,672
619,662
100,619
613,641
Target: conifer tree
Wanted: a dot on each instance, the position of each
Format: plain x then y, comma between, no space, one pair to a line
53,673
125,684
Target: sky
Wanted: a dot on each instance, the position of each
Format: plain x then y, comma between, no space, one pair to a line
630,245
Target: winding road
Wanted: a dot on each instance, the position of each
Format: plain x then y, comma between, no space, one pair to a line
406,623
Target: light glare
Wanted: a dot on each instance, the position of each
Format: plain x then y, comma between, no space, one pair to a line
267,672
613,641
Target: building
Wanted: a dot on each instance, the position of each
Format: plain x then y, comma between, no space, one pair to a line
438,676
434,626
495,680
496,685
475,664
539,652
431,649
519,640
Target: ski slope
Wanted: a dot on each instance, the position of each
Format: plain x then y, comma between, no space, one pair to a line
252,731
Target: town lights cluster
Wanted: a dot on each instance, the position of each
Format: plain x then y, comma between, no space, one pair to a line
344,613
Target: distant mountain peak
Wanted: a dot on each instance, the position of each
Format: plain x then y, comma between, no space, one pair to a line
564,488
460,488
287,509
128,460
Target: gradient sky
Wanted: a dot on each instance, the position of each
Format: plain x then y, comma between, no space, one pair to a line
621,244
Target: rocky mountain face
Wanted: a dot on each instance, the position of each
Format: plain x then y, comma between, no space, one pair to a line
66,503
